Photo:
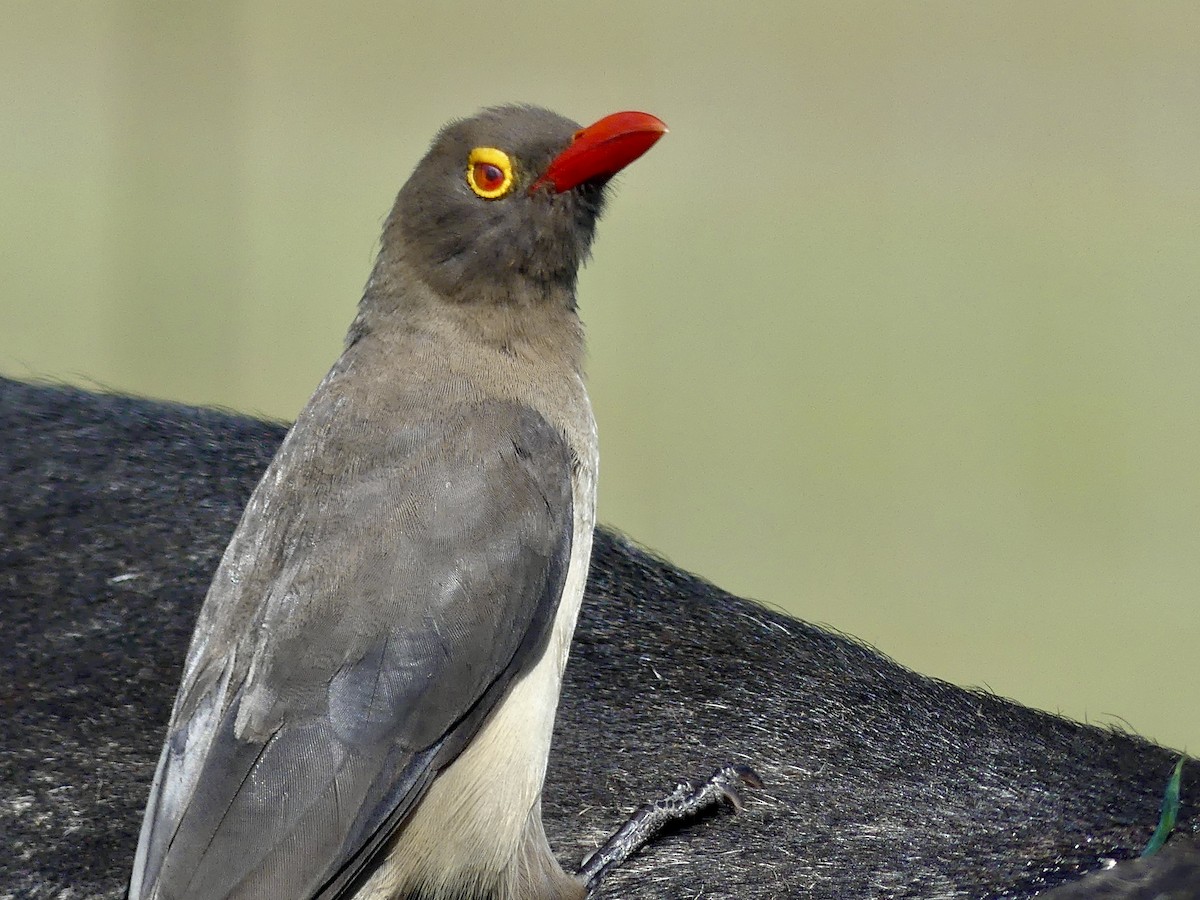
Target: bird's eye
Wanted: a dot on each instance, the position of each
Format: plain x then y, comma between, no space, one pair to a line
489,172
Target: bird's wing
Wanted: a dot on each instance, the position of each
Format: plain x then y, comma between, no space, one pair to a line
357,632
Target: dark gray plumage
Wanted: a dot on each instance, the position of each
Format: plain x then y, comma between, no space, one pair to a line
472,251
367,703
376,659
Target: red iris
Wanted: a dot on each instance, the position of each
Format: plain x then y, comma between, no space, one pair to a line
488,177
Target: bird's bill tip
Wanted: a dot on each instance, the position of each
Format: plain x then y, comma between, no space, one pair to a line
602,149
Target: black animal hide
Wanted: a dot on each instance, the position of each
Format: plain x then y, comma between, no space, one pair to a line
880,783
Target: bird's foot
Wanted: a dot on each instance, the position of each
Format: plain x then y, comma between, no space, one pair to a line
685,802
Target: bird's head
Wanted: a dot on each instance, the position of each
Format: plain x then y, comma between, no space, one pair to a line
503,206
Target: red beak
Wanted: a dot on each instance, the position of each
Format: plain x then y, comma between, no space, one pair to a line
602,150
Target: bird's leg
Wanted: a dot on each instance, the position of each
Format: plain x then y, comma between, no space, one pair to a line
685,802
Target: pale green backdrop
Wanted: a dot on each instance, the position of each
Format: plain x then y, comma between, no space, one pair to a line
898,329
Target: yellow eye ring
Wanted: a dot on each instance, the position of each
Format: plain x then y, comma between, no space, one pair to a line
489,172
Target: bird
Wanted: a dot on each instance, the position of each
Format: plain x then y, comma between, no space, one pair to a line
367,702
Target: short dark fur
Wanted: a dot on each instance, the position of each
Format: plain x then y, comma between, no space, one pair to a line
880,783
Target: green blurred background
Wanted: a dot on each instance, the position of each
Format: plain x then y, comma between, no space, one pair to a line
898,329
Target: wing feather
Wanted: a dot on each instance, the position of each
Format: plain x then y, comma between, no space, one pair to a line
382,590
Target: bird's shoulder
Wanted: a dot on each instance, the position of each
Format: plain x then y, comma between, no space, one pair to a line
402,474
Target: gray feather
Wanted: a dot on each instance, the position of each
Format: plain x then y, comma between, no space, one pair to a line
387,582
